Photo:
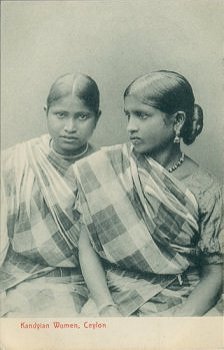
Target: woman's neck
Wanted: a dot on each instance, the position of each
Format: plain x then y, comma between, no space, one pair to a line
70,155
168,156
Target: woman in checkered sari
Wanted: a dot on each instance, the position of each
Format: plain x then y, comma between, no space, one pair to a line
39,269
151,245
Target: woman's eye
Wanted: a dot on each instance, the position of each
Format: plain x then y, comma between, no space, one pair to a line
60,115
83,116
142,115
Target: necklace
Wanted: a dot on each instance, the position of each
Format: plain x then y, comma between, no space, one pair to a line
177,164
70,156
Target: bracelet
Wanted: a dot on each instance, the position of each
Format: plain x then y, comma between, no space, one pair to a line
104,306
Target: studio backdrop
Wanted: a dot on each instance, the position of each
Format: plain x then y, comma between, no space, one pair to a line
113,42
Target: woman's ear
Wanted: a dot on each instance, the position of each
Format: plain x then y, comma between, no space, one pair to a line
45,109
179,120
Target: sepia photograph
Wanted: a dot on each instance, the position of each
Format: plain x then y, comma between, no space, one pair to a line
112,174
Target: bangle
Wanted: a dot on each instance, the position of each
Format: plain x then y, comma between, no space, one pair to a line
104,306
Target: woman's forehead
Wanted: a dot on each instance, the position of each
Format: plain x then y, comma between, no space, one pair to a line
133,101
69,101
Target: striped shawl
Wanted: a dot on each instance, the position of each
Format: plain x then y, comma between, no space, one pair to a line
141,221
40,230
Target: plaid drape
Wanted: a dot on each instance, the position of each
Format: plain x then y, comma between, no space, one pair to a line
39,228
141,221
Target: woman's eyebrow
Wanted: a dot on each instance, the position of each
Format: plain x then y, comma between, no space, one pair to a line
82,112
58,109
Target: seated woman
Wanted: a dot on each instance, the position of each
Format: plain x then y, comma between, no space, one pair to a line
150,245
39,269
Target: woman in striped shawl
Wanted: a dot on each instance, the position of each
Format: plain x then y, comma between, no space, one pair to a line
39,270
153,218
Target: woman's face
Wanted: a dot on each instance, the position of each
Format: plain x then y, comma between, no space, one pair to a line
70,124
150,130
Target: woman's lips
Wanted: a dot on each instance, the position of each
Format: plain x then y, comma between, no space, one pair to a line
69,138
135,140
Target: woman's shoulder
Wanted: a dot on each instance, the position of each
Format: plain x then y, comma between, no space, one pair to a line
16,153
8,157
101,152
12,149
205,186
118,148
196,175
204,179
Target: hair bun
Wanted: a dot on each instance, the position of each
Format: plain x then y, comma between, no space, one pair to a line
197,124
195,127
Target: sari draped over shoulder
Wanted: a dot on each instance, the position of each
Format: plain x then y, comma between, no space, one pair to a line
143,223
39,273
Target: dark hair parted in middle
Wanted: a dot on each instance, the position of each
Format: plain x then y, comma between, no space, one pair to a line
170,92
80,85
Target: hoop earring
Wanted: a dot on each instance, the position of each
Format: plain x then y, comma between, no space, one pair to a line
177,138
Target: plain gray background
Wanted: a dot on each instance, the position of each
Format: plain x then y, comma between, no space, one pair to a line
114,42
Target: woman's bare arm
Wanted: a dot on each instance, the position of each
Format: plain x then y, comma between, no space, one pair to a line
205,295
95,278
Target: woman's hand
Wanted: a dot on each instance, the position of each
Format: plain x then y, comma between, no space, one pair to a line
110,311
95,278
206,293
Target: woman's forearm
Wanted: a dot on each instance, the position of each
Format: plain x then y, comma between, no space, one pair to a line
204,296
93,272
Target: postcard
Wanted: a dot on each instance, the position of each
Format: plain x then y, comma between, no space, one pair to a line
106,51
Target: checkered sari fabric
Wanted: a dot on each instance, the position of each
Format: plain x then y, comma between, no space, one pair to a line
40,230
141,221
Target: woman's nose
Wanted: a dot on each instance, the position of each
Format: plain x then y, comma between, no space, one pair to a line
70,125
132,124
